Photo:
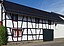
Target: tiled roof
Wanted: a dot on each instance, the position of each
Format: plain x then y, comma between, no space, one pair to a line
28,11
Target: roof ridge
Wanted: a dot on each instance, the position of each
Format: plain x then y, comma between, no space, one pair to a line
27,6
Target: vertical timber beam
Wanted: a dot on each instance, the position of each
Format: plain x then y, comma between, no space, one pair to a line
38,23
17,29
32,27
35,29
22,21
5,19
21,26
50,24
45,24
42,28
38,28
27,28
12,17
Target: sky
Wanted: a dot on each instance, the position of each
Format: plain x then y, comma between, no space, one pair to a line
56,6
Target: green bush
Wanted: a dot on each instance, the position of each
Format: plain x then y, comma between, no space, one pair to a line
3,35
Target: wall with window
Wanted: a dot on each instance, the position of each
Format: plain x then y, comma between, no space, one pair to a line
32,28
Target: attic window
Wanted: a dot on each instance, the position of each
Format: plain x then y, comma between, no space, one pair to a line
15,17
37,20
49,22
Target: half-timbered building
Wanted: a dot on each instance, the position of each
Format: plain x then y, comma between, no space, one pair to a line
26,23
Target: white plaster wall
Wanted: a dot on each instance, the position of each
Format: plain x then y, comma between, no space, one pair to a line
9,24
59,31
0,12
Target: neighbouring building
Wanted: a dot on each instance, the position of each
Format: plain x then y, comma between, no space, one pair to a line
26,23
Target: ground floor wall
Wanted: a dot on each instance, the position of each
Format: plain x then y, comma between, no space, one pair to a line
30,29
33,33
59,31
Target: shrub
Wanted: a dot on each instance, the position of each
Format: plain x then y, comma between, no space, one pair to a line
3,35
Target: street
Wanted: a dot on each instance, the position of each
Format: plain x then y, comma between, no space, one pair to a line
56,42
52,44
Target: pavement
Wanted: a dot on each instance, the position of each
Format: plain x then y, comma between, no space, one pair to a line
55,42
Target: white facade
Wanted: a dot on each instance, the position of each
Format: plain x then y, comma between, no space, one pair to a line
58,29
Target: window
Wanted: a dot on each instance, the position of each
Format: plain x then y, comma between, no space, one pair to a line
37,20
49,22
14,17
17,33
